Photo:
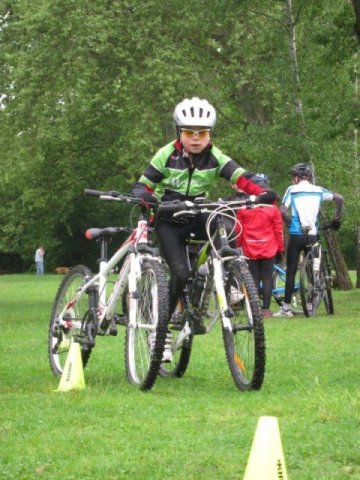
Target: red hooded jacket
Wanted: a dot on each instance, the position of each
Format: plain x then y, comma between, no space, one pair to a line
262,232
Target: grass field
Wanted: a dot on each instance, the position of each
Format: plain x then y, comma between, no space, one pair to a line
198,427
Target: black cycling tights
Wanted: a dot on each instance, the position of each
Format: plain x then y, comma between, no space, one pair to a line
262,271
297,244
172,238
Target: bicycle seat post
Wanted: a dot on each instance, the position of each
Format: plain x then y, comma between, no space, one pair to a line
103,249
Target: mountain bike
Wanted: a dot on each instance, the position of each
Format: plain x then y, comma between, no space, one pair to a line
278,292
87,304
221,288
316,280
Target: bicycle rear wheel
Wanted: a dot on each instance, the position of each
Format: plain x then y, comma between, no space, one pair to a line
145,339
327,292
311,288
81,319
181,355
245,342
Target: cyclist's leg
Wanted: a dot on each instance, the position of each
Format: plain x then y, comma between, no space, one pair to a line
172,239
266,271
295,246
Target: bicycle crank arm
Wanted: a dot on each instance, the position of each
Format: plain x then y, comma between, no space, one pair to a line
184,334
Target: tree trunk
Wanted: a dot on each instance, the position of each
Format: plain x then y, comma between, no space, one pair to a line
293,56
357,244
342,279
356,4
356,152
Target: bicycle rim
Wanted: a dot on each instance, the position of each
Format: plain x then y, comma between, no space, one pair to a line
81,319
307,286
327,291
146,338
245,343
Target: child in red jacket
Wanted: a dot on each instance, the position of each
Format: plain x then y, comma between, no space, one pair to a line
261,239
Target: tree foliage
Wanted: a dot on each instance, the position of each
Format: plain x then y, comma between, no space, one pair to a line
88,90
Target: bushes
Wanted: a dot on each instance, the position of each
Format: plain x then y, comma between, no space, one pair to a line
11,263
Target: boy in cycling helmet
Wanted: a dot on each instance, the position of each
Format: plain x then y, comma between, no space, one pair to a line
304,199
184,169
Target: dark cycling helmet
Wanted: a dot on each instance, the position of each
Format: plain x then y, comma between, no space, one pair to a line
260,179
302,170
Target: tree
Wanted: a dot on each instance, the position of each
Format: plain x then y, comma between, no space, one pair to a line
90,87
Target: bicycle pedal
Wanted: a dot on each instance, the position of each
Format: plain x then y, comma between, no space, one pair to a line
113,331
199,329
176,327
84,341
121,320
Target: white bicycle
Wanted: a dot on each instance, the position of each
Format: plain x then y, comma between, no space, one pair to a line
87,305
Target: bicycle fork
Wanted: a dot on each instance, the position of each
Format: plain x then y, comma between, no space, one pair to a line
219,276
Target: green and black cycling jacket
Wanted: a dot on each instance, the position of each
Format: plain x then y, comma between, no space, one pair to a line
172,175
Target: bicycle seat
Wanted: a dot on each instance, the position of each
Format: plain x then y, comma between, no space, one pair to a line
108,232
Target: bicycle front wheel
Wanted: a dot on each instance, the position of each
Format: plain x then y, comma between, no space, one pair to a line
80,318
245,342
145,339
181,349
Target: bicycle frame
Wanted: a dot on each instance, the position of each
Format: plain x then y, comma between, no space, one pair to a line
280,291
215,260
128,274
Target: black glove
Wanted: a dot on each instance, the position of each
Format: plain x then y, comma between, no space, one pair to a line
268,196
335,224
148,200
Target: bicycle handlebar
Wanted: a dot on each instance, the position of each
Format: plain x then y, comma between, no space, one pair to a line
178,208
111,195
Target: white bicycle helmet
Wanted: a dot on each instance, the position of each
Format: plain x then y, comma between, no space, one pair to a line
194,112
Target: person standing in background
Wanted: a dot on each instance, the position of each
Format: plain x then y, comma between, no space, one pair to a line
261,239
300,209
39,260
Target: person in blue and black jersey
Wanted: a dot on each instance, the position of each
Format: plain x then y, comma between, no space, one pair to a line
185,169
304,200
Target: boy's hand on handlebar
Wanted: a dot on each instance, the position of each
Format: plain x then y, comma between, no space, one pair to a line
148,200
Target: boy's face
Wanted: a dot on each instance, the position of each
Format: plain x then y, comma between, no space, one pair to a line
194,139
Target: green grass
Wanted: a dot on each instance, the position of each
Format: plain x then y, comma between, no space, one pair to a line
197,427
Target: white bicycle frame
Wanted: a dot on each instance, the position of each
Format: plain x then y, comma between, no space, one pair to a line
128,275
